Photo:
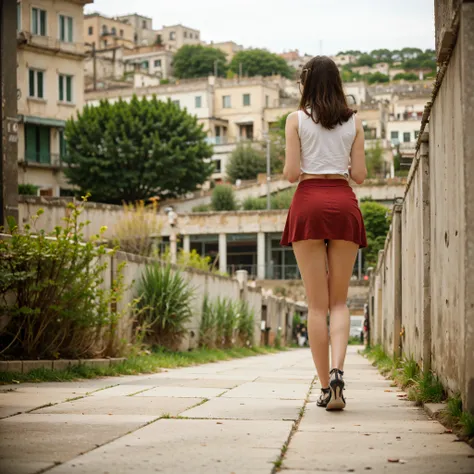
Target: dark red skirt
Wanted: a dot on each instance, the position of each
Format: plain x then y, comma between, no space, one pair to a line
324,209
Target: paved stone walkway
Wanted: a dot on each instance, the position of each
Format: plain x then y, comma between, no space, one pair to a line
229,417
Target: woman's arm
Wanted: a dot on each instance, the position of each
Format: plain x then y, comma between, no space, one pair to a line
358,169
292,169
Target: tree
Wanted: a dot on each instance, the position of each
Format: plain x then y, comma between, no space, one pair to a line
245,162
408,76
365,60
376,226
132,151
376,78
223,198
199,61
260,62
374,160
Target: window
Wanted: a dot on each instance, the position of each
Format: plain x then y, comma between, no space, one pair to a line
113,31
394,138
417,132
121,33
186,34
226,102
65,88
406,137
197,36
37,143
198,102
217,166
144,24
172,35
36,83
157,63
105,43
176,102
267,100
190,35
38,22
246,100
91,30
146,65
104,29
65,29
18,16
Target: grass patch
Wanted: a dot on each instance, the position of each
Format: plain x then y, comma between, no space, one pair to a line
355,341
454,417
155,361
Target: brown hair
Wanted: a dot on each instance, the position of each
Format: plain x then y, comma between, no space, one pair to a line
323,98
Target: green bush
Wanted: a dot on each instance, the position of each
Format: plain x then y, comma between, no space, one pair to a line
246,162
223,198
201,208
52,299
282,200
207,328
225,323
245,324
254,204
164,304
28,189
377,225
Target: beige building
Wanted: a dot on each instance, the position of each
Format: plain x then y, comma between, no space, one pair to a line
51,87
242,103
144,34
153,60
177,36
105,32
344,59
229,48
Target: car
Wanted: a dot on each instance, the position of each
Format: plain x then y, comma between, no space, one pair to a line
357,327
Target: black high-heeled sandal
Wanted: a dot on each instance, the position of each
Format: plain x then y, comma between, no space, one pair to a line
336,386
324,397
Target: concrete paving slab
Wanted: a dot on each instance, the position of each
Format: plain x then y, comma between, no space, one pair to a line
268,390
33,442
188,447
419,452
152,406
190,382
13,403
247,409
120,390
182,392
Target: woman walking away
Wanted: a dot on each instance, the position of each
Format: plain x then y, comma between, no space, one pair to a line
324,149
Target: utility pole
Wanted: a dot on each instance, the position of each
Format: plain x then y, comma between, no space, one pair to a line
94,65
8,117
269,205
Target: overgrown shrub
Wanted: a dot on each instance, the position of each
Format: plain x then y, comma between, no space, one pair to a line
226,323
164,304
202,207
223,198
139,228
254,204
190,260
52,299
245,324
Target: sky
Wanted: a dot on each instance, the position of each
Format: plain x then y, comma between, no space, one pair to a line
311,26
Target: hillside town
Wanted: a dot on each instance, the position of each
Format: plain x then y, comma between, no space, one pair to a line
113,59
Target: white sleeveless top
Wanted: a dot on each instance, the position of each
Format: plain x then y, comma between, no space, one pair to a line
325,151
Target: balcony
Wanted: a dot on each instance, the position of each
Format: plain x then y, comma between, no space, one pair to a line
50,44
42,160
218,140
405,116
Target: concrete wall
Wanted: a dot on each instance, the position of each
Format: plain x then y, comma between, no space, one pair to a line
436,255
215,286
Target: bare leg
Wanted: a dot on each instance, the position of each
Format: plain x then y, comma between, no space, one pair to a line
341,259
311,257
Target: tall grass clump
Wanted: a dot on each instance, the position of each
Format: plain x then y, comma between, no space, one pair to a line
164,304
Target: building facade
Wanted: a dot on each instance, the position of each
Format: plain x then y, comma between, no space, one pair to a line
154,60
50,78
105,32
144,34
177,36
229,48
